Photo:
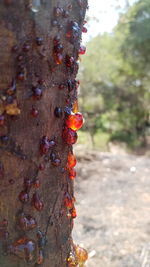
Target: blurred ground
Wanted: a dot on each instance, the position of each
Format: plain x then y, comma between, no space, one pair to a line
113,206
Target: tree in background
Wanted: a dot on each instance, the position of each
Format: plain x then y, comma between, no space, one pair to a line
116,75
39,47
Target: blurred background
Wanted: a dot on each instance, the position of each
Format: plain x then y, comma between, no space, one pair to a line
113,150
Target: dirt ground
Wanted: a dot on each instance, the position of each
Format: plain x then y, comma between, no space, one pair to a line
113,206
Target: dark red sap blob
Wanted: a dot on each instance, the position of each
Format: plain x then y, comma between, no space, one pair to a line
40,258
69,61
58,112
24,248
36,202
34,112
15,48
24,197
58,48
56,40
82,50
39,41
37,93
69,136
26,47
20,76
27,222
12,89
2,120
73,31
56,162
84,29
41,167
36,183
20,57
68,202
44,145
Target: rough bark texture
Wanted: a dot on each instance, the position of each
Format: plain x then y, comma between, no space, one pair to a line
27,63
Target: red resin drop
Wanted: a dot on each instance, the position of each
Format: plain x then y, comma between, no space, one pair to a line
44,145
58,58
36,183
71,173
20,76
69,61
41,167
71,160
23,196
68,202
69,136
36,202
40,259
82,50
26,222
37,93
73,213
34,112
74,121
24,248
84,29
12,89
56,162
2,120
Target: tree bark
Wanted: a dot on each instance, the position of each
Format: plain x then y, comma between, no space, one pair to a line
36,86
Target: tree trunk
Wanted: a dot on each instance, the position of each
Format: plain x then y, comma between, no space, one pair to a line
37,91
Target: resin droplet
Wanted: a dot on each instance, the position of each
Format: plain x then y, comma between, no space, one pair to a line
44,145
69,61
56,162
81,254
36,183
84,29
24,248
72,261
68,202
58,112
69,136
58,58
82,50
74,121
40,259
2,120
73,213
12,89
37,93
36,202
23,196
39,41
26,222
75,107
71,160
71,173
34,112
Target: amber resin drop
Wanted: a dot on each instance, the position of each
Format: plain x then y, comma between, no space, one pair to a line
71,173
81,254
74,121
68,202
69,136
71,160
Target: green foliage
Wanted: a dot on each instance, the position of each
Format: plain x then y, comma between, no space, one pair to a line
115,78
